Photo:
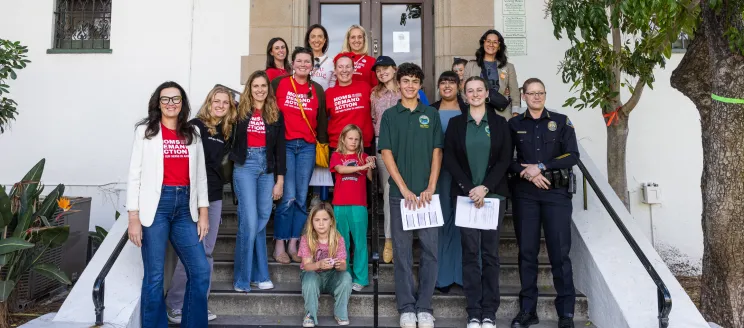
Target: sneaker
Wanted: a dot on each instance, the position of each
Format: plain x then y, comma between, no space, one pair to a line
342,322
474,323
211,316
387,253
565,322
174,315
308,321
356,287
425,320
524,320
488,323
263,285
408,320
241,290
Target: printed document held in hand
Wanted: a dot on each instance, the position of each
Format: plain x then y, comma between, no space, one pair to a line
428,216
484,218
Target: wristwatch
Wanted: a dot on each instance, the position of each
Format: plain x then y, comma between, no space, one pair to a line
541,166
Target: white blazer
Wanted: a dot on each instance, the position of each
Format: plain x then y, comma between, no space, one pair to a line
146,176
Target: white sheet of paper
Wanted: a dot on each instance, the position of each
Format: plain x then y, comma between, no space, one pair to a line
484,218
402,41
321,177
429,216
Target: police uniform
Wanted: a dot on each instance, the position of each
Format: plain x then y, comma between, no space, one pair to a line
550,142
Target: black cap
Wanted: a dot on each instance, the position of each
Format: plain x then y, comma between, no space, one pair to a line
383,61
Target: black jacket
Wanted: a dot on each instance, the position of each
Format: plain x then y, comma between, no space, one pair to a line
276,149
214,149
500,155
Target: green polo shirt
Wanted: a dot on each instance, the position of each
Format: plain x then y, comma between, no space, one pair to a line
478,146
412,137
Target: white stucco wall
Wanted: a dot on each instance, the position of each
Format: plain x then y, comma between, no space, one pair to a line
79,110
664,144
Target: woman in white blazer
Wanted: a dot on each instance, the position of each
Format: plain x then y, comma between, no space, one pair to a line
167,200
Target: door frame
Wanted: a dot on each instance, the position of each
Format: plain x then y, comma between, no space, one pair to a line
371,11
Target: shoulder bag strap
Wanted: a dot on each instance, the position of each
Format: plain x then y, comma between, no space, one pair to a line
302,108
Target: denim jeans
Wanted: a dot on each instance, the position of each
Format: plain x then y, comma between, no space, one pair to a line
174,298
407,299
173,222
336,283
253,187
291,213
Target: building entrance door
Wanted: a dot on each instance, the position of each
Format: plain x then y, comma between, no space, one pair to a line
401,29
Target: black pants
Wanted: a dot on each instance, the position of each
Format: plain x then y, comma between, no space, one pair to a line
551,210
481,286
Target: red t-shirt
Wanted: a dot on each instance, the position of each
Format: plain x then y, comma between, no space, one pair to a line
350,189
295,126
363,70
256,130
349,105
274,73
175,159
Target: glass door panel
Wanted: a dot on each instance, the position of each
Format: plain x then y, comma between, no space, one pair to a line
337,18
402,33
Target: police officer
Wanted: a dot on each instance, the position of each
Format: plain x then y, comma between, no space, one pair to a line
546,152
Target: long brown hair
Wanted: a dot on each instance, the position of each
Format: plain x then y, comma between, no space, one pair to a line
184,129
211,122
341,149
270,111
312,237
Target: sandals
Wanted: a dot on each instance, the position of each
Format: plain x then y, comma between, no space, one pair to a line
282,258
308,321
295,258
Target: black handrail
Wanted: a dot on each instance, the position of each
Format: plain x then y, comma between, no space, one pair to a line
375,244
663,295
98,286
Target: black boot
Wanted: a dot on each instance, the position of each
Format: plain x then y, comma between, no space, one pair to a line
525,319
565,322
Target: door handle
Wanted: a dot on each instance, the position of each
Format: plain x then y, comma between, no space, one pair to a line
375,47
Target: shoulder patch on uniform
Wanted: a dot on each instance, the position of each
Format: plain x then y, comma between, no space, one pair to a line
568,122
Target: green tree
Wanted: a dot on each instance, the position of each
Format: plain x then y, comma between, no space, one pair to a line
12,57
711,74
616,45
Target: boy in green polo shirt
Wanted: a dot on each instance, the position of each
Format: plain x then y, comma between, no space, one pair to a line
411,145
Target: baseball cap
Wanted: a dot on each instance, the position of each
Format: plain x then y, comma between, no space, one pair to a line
383,61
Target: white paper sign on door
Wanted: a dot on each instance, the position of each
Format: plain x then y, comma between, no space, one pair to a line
484,218
402,41
428,216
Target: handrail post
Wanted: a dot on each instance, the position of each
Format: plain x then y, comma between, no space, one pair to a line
664,298
99,284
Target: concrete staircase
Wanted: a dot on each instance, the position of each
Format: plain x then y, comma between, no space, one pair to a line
283,306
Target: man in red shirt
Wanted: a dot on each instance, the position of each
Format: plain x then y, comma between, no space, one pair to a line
347,103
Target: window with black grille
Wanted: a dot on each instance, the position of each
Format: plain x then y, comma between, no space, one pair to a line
82,24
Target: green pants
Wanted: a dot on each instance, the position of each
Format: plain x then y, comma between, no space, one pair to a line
336,283
353,220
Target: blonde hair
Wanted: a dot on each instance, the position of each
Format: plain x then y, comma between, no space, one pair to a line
342,144
312,236
345,47
270,111
210,121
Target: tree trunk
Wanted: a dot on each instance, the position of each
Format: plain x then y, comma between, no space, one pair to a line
710,67
617,139
4,315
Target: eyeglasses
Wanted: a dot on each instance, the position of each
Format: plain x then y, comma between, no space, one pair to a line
175,99
491,42
538,94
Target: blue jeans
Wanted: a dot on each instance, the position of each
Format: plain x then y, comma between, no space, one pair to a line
253,187
173,222
291,213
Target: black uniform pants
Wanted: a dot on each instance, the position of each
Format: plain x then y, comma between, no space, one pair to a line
481,286
551,210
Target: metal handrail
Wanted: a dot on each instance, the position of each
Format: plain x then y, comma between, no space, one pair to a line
375,245
98,286
663,295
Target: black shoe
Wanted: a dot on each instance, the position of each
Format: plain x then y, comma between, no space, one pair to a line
565,322
524,320
443,290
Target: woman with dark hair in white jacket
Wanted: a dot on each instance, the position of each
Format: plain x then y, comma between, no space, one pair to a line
167,200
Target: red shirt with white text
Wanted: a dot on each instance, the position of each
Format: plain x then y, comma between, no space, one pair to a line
363,70
350,189
295,125
349,105
256,130
175,159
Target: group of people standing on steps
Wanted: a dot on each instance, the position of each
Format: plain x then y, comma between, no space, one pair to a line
371,114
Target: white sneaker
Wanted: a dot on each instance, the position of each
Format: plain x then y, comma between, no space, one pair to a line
474,323
174,315
263,285
425,320
211,316
488,323
356,287
408,320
